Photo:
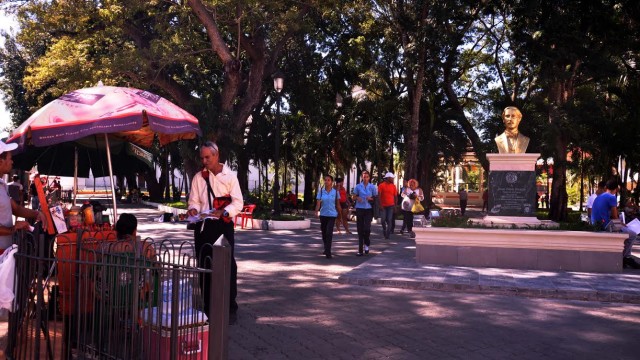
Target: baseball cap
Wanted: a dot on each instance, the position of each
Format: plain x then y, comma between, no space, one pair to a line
389,175
7,147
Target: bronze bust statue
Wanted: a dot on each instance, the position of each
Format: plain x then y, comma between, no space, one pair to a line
511,141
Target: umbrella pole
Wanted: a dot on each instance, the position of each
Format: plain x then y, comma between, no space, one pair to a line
113,189
75,176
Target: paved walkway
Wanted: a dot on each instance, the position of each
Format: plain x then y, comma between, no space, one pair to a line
296,304
396,267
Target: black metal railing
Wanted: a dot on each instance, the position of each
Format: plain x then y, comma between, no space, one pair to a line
90,296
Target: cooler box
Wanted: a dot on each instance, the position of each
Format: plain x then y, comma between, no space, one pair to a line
192,344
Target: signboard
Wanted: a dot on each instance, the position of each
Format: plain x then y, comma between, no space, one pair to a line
512,193
140,153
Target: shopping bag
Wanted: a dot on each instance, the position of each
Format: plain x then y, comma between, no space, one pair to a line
417,207
7,277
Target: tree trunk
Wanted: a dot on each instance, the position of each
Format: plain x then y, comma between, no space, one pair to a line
154,187
415,86
309,183
461,118
559,198
167,175
297,177
243,171
426,177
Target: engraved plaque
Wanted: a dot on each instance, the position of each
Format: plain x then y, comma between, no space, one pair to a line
512,193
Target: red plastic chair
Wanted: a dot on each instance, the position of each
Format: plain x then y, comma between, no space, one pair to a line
244,215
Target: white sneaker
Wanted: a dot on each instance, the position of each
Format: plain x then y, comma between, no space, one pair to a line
366,249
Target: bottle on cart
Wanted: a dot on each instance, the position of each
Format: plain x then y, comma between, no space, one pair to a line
75,217
87,211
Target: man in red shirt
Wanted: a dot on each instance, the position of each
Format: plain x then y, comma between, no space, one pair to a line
388,199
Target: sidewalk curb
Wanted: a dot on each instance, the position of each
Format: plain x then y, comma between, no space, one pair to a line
580,295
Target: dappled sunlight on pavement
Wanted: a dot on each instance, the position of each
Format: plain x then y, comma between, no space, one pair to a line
293,308
296,304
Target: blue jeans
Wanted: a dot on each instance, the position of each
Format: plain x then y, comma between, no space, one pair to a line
387,220
628,242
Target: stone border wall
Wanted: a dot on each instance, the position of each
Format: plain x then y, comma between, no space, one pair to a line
521,249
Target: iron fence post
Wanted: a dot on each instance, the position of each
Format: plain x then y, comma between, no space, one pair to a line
219,295
175,279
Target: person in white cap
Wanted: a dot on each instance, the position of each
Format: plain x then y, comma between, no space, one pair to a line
9,207
388,201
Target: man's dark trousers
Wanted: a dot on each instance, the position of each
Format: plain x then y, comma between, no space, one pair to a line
204,241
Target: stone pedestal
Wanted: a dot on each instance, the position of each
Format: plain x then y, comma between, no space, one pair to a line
547,250
512,190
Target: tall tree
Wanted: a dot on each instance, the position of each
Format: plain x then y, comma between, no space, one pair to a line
573,44
218,74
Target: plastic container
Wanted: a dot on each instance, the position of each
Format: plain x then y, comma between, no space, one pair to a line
87,212
75,217
193,342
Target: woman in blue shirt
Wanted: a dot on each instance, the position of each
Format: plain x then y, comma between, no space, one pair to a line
365,193
328,208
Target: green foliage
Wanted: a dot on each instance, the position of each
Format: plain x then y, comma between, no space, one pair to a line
573,192
283,217
13,65
446,220
264,207
573,223
178,204
570,66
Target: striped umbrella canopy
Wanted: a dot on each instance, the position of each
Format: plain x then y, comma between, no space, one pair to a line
131,114
108,112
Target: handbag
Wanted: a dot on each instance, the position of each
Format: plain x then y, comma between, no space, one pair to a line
219,202
417,207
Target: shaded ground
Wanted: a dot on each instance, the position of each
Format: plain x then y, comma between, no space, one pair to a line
292,306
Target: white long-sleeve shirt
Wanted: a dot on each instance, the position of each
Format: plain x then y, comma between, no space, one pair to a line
223,184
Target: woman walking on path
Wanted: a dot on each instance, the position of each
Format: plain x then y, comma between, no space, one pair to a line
365,193
409,197
343,216
328,208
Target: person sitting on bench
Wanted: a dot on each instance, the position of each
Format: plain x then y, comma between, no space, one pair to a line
605,215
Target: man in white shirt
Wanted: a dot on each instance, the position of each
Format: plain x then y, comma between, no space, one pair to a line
215,190
593,197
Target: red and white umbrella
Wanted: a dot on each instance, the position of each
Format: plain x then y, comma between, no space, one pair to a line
129,114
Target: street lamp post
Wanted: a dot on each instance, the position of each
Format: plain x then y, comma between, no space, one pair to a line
278,83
